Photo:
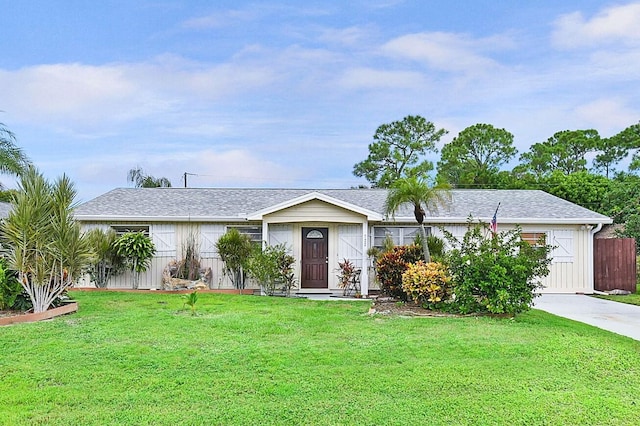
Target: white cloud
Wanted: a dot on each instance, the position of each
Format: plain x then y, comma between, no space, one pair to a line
447,51
608,116
351,36
367,78
75,94
616,24
220,19
230,168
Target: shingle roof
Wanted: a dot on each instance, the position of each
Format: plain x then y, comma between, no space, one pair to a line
210,204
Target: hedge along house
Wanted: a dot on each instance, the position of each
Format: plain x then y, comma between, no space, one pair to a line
322,227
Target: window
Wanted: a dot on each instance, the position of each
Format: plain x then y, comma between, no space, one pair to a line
124,229
254,232
400,235
536,239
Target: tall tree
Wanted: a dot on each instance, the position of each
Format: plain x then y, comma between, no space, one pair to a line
41,239
617,148
398,151
583,188
416,191
12,159
141,180
565,151
473,158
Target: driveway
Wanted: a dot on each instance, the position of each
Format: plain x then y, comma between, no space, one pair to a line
619,318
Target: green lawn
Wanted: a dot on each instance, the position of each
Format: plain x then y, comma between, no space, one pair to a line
632,299
127,358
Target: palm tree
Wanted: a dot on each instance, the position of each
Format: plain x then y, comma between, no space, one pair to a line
416,191
12,159
142,180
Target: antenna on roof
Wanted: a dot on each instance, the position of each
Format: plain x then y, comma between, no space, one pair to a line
185,177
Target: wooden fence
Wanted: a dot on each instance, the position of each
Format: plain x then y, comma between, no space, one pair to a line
615,264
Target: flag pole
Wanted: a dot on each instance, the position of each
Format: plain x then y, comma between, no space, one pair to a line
494,221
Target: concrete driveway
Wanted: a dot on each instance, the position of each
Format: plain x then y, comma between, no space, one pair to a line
617,317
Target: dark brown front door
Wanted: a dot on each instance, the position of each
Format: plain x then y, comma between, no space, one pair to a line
315,254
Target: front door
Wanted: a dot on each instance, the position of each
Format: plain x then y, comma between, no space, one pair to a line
315,258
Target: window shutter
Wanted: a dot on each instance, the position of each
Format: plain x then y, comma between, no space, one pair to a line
281,234
562,242
164,239
209,235
350,244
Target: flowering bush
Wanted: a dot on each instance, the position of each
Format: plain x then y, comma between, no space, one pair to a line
390,267
427,283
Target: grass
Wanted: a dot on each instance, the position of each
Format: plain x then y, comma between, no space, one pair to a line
631,299
128,358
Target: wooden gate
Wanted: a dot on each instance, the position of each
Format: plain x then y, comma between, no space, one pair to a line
615,264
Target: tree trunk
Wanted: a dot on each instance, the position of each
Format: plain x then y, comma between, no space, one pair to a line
425,246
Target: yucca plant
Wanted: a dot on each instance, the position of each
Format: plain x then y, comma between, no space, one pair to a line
41,239
235,249
105,262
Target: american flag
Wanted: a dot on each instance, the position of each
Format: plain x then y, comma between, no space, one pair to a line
494,222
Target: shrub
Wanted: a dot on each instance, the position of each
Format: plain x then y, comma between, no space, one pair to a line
435,244
272,267
428,284
188,268
347,273
136,250
495,273
105,262
390,267
235,250
10,287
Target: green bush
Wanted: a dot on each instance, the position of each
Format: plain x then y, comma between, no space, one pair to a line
136,250
10,287
428,284
272,267
235,249
390,267
495,273
435,244
105,262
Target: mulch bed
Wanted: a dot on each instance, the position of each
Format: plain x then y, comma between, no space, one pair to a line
389,306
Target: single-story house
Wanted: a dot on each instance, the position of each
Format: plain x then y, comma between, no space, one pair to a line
322,227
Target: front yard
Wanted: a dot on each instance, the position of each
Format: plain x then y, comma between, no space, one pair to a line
128,358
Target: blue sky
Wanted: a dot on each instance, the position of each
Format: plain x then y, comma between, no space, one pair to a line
290,93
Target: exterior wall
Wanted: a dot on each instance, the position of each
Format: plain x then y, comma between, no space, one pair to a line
569,271
166,253
284,227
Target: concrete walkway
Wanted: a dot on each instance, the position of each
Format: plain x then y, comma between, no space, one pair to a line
619,318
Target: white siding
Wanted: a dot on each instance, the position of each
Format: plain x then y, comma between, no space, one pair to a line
312,211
